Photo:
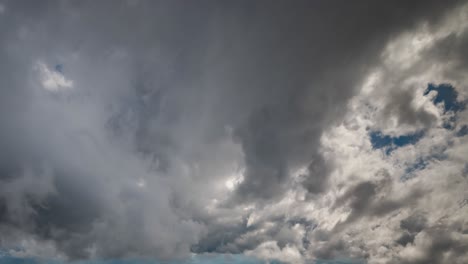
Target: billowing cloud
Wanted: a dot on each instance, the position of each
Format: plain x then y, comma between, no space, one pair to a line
297,131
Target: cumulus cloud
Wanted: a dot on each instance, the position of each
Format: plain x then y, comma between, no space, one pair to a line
52,80
162,129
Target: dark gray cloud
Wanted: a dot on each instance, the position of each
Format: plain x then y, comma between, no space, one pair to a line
411,225
400,105
167,100
414,223
285,128
373,199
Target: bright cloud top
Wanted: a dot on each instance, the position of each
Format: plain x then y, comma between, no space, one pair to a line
52,80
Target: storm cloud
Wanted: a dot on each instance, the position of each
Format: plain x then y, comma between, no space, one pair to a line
162,129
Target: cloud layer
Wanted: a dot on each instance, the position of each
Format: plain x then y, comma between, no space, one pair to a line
290,131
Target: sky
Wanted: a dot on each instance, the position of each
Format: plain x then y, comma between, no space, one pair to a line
244,132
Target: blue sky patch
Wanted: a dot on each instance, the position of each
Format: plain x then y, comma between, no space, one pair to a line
379,140
447,94
59,68
420,164
463,131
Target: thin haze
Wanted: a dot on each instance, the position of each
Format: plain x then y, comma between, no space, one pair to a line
234,131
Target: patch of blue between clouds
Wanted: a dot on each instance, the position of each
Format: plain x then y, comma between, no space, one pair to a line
59,68
463,131
411,169
389,143
447,94
213,259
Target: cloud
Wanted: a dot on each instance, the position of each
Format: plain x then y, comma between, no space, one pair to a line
170,129
52,80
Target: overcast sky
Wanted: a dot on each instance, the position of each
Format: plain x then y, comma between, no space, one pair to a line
234,131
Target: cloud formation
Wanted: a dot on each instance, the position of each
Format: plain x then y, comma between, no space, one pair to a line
162,129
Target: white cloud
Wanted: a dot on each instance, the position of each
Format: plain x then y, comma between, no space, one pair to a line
52,80
407,65
269,250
